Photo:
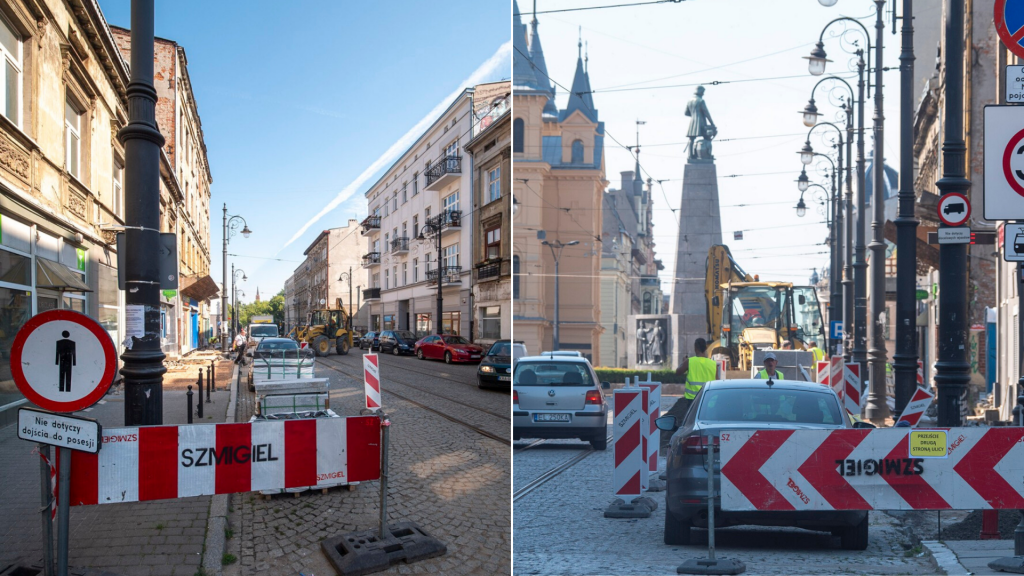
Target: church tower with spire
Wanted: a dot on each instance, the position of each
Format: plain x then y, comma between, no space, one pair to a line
557,187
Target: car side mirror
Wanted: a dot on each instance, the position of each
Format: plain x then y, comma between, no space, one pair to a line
666,423
863,424
606,385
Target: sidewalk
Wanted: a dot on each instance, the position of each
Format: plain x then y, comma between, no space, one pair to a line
969,556
141,538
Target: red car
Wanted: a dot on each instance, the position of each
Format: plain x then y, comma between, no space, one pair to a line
448,346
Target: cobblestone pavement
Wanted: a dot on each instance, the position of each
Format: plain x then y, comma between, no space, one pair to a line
140,538
449,479
560,528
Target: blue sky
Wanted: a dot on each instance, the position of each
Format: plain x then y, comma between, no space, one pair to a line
297,102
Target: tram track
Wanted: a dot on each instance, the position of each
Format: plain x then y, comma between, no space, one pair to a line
444,415
552,472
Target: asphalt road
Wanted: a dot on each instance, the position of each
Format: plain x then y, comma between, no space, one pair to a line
450,474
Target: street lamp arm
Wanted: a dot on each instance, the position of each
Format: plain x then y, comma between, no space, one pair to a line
848,87
867,36
837,129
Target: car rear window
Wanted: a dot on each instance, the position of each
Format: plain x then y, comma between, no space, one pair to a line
747,405
552,374
267,345
266,330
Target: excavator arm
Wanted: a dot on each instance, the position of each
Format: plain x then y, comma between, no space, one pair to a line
720,269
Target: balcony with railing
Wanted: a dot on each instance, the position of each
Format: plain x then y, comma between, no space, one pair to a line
492,270
371,294
370,225
449,275
446,221
371,259
400,245
444,171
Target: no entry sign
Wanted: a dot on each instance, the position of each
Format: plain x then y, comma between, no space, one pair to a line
63,361
885,469
1004,163
954,209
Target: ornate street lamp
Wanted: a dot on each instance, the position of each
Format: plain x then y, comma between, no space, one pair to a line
802,181
806,154
817,60
810,113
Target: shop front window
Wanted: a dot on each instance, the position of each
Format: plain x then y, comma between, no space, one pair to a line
423,326
389,322
15,310
450,322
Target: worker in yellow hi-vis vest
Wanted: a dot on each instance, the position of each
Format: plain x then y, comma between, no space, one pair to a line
819,354
769,371
698,370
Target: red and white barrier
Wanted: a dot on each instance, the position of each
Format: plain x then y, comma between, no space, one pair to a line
837,377
645,434
628,449
974,468
920,373
919,402
371,381
823,374
653,412
852,400
160,462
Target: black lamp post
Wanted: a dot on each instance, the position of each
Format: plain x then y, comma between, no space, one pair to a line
952,371
557,244
230,228
431,229
234,298
810,118
348,276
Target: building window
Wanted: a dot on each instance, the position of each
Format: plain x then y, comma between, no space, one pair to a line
415,225
387,240
72,139
450,322
426,213
405,190
490,322
387,278
376,280
415,183
389,322
450,202
405,273
577,152
647,303
415,270
422,325
394,274
10,47
493,243
405,229
515,277
117,202
394,202
376,246
451,255
452,150
494,184
518,128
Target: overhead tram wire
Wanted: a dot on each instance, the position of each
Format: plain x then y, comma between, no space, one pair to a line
692,84
582,8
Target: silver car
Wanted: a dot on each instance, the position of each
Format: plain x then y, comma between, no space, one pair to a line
749,405
559,397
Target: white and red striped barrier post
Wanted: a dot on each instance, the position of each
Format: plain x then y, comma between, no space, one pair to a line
653,412
645,433
371,381
628,449
852,381
837,377
920,373
919,402
162,462
822,373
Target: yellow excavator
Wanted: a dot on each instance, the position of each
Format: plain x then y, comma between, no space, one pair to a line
748,314
323,329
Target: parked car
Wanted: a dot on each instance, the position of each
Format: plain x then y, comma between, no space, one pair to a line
272,355
449,347
518,350
370,341
397,342
496,366
559,397
749,405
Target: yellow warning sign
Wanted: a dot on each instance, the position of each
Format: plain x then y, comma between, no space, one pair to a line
927,443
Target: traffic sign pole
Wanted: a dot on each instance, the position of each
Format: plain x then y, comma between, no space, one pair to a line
63,508
46,499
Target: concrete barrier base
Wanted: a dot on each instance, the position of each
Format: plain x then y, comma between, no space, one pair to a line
655,483
359,553
638,508
1008,564
708,566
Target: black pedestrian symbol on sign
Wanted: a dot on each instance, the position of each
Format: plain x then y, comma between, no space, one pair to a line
65,360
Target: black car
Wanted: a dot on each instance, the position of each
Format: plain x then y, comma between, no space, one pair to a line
496,367
370,341
397,342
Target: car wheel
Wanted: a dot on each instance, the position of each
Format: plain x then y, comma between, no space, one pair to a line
395,350
341,345
599,441
447,357
855,537
677,532
322,346
419,354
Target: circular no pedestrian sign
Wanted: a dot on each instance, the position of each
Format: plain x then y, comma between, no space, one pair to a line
63,361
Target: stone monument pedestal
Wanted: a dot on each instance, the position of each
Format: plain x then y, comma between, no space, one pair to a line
700,227
652,343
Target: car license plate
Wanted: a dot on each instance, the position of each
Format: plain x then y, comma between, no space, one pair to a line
504,378
475,356
550,417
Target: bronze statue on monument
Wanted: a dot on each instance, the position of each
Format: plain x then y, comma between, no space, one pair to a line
701,126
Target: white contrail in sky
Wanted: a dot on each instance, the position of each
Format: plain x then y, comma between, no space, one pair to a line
484,71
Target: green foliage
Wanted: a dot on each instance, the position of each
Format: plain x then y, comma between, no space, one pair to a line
618,375
274,307
228,559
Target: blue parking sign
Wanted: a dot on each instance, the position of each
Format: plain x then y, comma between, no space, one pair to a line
836,329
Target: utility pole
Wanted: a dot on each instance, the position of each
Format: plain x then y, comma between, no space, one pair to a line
952,368
877,410
143,361
557,258
905,359
860,263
